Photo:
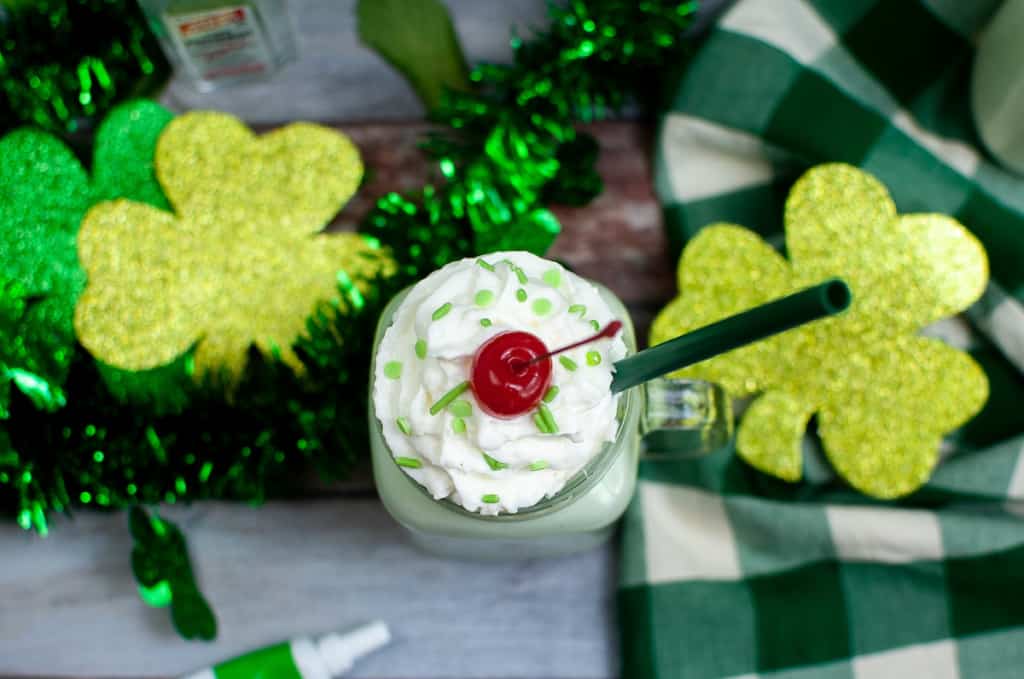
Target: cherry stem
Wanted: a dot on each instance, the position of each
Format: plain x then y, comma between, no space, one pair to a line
609,331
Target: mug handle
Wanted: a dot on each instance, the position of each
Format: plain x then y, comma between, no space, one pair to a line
684,418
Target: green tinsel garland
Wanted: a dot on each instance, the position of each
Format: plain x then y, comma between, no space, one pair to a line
512,148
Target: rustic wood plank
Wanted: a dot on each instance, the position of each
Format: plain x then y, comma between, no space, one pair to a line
68,605
617,240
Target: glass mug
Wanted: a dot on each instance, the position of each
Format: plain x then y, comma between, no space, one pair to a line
680,418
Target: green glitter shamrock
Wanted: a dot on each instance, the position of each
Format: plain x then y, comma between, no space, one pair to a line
44,193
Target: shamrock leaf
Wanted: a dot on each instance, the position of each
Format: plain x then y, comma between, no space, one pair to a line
883,395
240,261
44,193
162,569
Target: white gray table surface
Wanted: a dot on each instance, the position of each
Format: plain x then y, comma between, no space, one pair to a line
68,606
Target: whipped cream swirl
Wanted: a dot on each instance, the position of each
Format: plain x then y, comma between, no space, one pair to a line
483,463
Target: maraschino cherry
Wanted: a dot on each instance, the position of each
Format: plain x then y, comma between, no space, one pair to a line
512,370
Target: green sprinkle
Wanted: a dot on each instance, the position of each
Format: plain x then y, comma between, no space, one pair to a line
567,363
550,394
452,394
459,425
486,322
410,462
538,465
421,348
393,369
403,426
520,274
541,424
484,297
578,309
461,408
552,277
521,295
495,465
490,499
542,307
595,325
593,358
549,419
441,311
485,265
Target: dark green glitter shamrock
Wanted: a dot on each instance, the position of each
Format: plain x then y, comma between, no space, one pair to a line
44,193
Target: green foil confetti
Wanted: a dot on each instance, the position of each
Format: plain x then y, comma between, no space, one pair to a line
163,571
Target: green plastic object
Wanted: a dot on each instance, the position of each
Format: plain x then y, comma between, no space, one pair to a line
825,299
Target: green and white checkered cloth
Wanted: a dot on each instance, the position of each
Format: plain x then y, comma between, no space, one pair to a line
730,573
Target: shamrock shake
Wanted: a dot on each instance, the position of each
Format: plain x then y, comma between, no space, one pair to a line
491,442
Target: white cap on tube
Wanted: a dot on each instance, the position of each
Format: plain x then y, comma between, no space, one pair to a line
340,651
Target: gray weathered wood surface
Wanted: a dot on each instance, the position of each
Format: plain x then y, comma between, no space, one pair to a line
68,606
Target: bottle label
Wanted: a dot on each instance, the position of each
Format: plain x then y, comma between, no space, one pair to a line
224,43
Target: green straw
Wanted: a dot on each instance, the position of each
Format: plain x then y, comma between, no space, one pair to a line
824,299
